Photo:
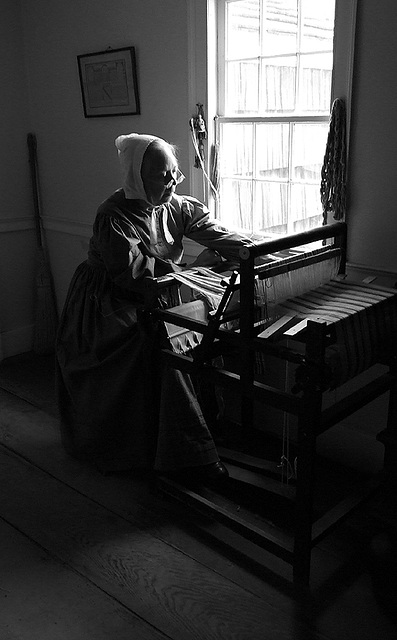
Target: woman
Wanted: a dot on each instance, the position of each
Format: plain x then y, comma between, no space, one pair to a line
117,407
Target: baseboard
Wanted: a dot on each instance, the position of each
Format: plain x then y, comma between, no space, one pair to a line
16,341
378,276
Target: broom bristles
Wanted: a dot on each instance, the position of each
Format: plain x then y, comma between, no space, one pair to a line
46,315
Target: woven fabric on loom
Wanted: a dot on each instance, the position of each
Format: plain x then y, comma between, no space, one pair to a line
364,318
180,339
206,291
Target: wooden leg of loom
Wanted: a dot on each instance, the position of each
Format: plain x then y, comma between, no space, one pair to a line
304,491
307,425
389,436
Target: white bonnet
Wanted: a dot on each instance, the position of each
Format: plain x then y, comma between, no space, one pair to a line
131,149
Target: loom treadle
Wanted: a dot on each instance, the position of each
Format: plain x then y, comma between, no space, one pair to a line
222,509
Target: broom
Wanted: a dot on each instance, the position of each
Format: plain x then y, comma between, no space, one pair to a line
46,316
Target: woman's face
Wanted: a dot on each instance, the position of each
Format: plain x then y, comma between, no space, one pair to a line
159,173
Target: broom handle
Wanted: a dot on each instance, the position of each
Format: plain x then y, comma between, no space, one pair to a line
32,146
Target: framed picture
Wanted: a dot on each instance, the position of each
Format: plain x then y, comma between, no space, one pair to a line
109,83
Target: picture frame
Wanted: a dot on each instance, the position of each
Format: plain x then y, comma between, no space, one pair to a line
109,83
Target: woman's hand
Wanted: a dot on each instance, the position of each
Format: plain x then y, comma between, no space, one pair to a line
207,258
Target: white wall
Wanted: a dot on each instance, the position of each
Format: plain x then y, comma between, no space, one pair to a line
78,157
78,160
16,237
373,163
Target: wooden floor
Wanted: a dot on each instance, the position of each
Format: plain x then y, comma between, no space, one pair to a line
88,556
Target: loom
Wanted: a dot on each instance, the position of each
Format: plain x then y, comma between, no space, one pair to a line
291,303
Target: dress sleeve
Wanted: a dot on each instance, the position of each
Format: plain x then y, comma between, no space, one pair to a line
123,254
120,250
203,228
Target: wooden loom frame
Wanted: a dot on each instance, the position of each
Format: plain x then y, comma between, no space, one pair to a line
295,549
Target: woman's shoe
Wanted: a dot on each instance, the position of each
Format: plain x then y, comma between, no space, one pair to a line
213,473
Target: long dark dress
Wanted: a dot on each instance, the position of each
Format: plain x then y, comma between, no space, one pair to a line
117,406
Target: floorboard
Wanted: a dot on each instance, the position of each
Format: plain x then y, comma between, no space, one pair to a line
148,577
57,603
146,565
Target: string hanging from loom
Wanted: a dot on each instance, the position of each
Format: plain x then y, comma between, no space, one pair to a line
270,293
288,470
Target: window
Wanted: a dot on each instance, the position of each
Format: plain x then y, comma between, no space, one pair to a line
280,65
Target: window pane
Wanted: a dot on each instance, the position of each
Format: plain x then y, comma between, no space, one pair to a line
317,25
305,207
309,142
236,150
242,87
315,82
272,144
236,203
280,27
308,223
271,210
242,29
278,85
